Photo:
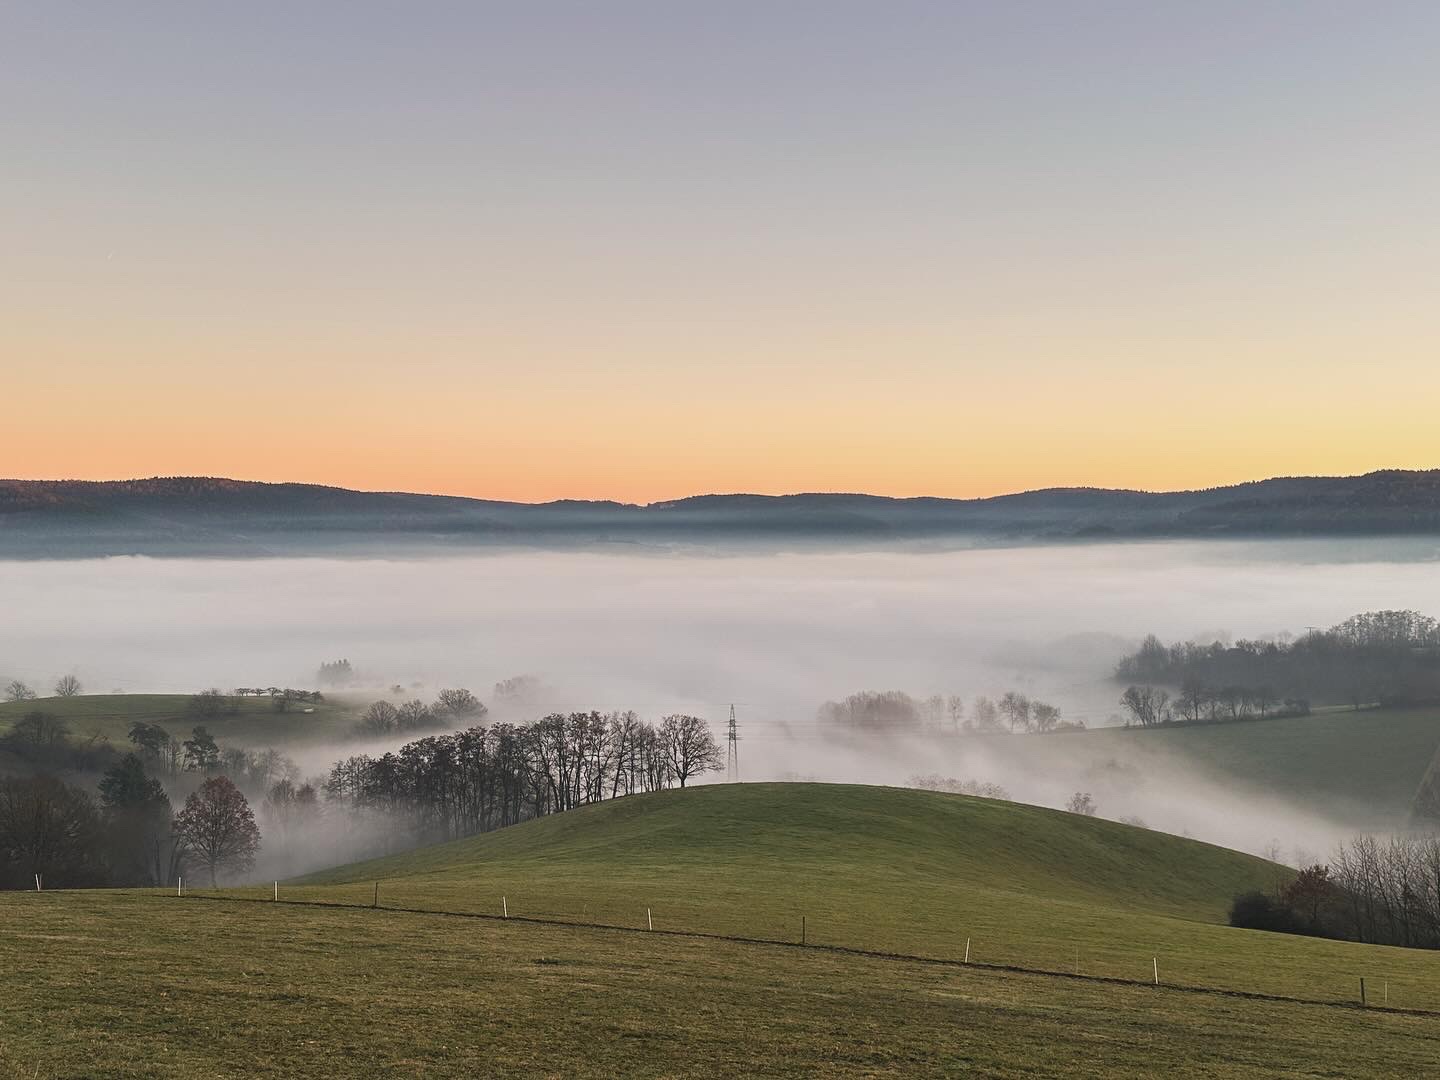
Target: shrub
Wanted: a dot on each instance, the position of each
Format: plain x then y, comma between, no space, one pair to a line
1256,911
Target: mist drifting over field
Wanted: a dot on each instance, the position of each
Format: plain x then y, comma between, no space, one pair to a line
776,634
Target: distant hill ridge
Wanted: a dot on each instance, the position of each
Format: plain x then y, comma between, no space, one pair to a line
209,515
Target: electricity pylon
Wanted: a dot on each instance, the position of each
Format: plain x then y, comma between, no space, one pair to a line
732,751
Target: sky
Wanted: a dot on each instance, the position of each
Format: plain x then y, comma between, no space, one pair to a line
643,250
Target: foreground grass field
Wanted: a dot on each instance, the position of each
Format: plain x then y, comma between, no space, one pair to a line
144,985
256,724
231,983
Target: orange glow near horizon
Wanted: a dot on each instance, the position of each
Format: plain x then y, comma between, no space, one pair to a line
615,255
531,443
533,423
530,413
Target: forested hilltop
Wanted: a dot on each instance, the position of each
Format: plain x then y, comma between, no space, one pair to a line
207,516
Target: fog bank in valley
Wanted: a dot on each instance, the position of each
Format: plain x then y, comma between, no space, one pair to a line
776,634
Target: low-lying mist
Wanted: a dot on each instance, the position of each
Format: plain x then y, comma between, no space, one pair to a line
775,634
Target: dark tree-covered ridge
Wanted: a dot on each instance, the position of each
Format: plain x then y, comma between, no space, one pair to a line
205,515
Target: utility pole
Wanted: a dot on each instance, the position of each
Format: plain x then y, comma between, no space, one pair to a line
732,752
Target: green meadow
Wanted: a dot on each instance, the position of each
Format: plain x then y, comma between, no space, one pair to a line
230,983
256,723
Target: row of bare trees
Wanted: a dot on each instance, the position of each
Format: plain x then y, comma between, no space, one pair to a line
450,707
65,686
894,711
484,778
955,786
1152,706
1388,891
1383,891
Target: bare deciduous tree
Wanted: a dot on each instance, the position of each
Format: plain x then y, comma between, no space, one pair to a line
956,708
1081,803
459,703
1309,891
690,746
413,715
217,828
935,712
51,829
1147,705
1193,699
1015,707
1044,716
18,691
379,719
987,716
290,809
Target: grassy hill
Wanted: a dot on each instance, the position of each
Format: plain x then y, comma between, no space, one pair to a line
735,838
296,989
256,724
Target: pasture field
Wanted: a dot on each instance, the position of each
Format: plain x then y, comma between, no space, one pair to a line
1360,768
139,985
256,724
1345,763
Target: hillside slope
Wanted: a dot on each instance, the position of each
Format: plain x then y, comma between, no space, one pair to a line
834,838
1358,771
